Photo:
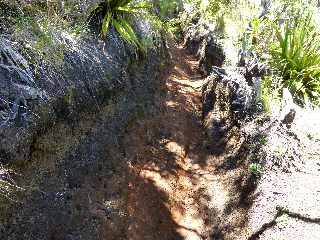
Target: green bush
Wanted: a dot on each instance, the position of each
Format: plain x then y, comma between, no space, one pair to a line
271,93
116,13
214,6
288,40
169,8
210,7
173,27
296,56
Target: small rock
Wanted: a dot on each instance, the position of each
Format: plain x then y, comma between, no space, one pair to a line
288,111
289,118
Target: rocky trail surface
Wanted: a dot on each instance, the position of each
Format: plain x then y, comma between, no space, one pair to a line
177,188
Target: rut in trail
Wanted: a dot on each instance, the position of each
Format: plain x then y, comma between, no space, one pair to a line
177,189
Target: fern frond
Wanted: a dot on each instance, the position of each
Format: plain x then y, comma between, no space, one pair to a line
115,13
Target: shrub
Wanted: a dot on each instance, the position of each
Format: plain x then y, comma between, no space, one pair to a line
115,13
271,93
295,54
169,8
214,6
210,8
173,27
287,39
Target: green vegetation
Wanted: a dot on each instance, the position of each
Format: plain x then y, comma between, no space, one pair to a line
255,169
168,9
38,27
212,8
43,44
271,93
115,13
295,54
287,39
263,140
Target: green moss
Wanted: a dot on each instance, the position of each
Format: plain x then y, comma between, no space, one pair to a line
40,42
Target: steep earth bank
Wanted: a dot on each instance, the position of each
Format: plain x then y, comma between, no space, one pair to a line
95,149
61,131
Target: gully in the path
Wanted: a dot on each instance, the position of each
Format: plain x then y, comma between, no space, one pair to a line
176,190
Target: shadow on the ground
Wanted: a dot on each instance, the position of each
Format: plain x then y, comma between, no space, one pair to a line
281,211
169,161
149,217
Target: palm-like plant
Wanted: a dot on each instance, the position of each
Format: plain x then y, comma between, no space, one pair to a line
115,13
296,54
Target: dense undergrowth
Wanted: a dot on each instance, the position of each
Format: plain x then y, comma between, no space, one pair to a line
113,13
283,35
286,39
38,25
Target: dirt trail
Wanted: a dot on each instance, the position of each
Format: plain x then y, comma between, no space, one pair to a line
177,190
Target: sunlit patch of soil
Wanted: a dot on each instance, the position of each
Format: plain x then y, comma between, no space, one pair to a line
176,190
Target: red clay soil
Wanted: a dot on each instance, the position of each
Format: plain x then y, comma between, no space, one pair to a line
176,188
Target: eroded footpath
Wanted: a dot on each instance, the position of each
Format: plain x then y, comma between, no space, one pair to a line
178,189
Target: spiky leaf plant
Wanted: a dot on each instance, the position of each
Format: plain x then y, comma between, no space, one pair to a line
296,54
115,13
